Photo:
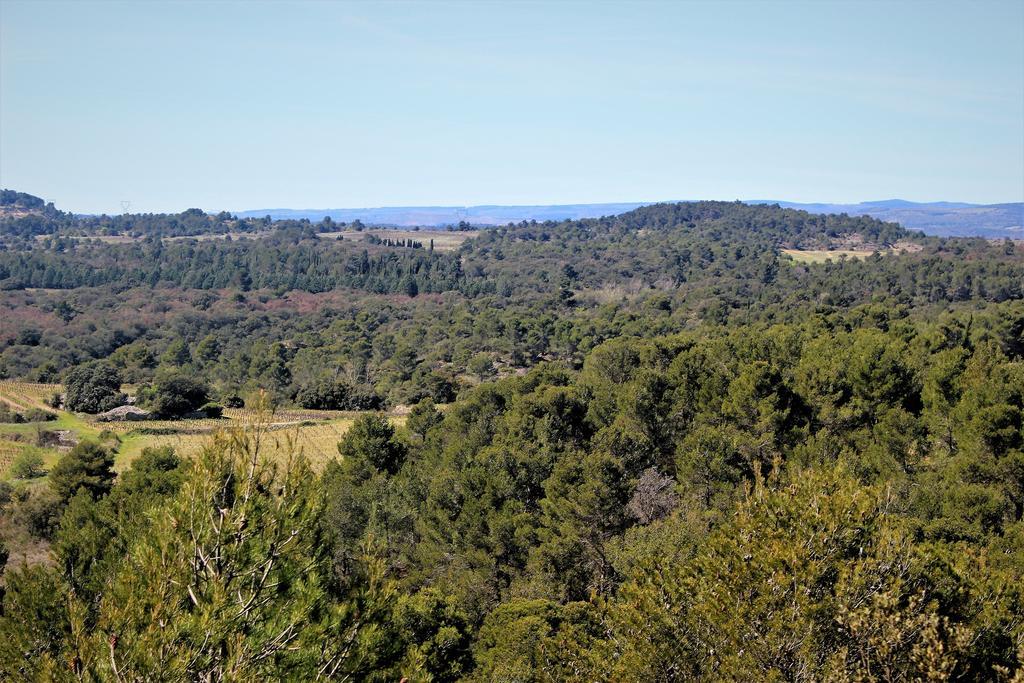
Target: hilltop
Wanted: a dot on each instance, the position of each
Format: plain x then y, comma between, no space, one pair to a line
26,214
948,219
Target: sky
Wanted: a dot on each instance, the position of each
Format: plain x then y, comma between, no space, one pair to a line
230,105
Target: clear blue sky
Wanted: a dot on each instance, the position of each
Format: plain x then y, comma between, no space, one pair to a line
312,105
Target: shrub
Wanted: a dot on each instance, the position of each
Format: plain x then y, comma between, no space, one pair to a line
371,440
481,365
323,395
327,394
213,410
108,437
436,387
8,416
47,438
365,398
441,389
27,465
234,401
39,415
38,512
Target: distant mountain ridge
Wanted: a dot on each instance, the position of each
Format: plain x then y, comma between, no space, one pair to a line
946,219
943,219
485,214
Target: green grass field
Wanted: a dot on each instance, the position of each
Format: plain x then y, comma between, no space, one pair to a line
16,438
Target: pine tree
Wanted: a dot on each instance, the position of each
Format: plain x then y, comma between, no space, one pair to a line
89,467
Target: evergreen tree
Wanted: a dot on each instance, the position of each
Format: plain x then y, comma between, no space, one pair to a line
88,467
92,388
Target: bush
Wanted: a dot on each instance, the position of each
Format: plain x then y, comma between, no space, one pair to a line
440,389
55,401
234,401
93,389
108,437
8,416
481,365
47,438
213,410
327,394
365,398
39,512
33,415
323,395
371,440
27,465
40,415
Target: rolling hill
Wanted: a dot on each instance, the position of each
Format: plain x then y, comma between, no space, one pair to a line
945,219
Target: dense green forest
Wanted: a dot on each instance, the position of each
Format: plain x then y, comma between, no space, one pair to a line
642,447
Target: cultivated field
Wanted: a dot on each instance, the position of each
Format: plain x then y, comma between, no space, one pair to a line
317,441
16,438
25,395
855,249
314,432
822,255
444,240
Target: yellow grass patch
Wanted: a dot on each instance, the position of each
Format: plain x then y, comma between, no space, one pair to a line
444,240
315,432
317,441
823,255
26,395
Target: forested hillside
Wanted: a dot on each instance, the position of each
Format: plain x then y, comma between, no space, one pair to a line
285,307
823,499
644,447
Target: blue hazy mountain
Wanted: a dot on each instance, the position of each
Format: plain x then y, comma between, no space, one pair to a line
451,215
947,219
934,218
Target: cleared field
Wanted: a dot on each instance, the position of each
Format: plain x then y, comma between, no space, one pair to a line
314,432
822,255
25,395
444,240
105,239
16,438
318,441
129,239
8,451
